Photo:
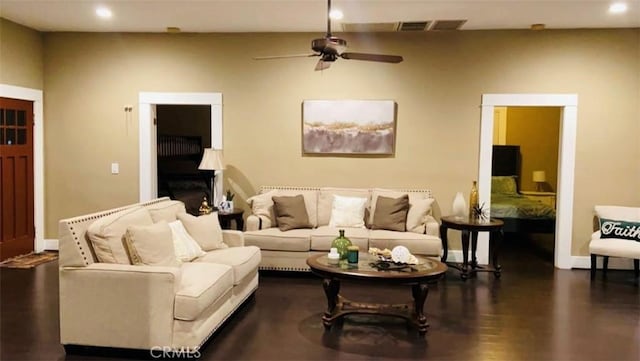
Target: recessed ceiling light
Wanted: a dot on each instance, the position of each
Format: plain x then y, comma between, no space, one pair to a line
336,14
618,8
103,12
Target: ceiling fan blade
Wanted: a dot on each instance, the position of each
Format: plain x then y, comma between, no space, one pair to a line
322,65
372,57
284,56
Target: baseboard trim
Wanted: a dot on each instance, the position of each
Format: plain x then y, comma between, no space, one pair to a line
614,262
51,244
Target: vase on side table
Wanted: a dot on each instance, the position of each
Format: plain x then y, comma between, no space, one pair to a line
459,207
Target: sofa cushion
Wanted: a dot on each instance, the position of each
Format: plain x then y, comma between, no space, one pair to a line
290,212
347,212
391,213
325,200
107,233
323,236
166,211
185,246
201,285
243,260
151,245
418,215
205,230
423,244
273,239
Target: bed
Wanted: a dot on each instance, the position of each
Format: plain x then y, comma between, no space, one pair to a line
519,213
178,174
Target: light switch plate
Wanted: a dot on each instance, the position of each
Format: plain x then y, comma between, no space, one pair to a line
115,168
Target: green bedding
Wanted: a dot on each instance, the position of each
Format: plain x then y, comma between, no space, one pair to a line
518,206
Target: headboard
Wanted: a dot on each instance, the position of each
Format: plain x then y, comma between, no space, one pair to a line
179,146
505,160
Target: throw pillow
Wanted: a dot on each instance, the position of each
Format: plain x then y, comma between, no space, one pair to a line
262,205
291,212
166,210
347,212
107,233
419,210
610,228
205,230
391,213
151,245
187,249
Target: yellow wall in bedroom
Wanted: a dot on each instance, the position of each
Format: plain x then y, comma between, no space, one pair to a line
89,77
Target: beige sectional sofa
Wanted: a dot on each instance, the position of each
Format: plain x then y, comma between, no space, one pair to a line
288,250
148,307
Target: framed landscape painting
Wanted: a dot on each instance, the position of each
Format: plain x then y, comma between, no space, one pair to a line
348,127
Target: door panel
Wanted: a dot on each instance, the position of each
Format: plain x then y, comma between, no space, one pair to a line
17,229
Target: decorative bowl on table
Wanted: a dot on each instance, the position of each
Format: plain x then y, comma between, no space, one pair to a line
397,259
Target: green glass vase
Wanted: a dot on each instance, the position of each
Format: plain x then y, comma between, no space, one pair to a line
342,243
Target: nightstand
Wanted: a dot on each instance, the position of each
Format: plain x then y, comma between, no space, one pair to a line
548,198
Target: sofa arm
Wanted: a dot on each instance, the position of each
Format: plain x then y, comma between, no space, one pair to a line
255,223
233,238
116,305
595,235
432,227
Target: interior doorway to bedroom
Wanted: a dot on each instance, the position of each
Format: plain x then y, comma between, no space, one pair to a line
524,178
183,132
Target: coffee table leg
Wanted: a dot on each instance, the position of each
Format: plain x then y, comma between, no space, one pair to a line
420,292
465,254
331,290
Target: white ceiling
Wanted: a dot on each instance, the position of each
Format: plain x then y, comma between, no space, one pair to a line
309,15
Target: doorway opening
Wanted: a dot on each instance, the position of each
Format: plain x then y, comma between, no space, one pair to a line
147,117
524,179
566,162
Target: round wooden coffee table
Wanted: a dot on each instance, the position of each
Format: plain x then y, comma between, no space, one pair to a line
417,276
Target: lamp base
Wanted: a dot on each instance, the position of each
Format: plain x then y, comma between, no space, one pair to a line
539,187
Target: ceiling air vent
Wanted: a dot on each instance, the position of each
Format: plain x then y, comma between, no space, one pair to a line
447,24
413,26
369,27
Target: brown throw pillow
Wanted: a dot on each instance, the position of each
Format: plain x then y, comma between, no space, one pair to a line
291,212
391,213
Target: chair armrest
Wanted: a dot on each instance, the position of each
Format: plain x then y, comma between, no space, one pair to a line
595,235
113,304
233,238
432,226
255,223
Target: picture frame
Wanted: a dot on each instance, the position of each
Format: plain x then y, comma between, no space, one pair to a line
366,127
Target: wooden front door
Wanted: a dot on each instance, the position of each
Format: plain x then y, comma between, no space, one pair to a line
17,230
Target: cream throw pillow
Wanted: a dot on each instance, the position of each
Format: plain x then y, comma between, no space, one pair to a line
347,212
186,248
107,233
262,205
151,245
204,229
419,209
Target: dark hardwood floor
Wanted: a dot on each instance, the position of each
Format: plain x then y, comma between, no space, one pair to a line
534,312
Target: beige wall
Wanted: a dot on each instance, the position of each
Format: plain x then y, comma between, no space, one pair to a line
21,55
438,88
536,130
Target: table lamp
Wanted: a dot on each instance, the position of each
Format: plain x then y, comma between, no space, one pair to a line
212,160
539,177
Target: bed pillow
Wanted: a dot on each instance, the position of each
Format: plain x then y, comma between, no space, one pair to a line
347,212
186,248
391,213
611,228
151,245
504,185
291,212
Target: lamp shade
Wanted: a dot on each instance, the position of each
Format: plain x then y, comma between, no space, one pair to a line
211,160
539,176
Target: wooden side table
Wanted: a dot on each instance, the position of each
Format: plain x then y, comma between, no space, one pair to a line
471,227
225,219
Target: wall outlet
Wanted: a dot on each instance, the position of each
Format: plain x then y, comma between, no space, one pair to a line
115,168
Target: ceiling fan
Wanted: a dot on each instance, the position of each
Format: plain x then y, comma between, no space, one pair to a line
330,48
